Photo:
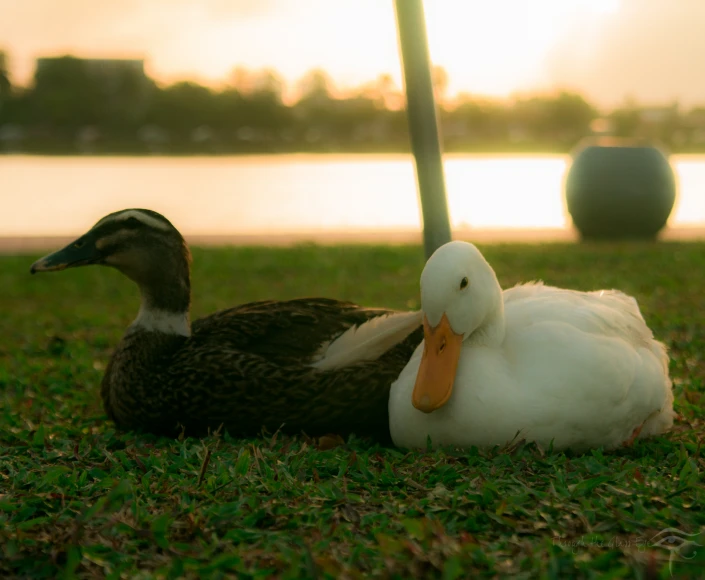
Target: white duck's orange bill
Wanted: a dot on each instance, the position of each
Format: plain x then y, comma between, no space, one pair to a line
441,353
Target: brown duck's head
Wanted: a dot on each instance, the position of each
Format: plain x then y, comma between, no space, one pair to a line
141,243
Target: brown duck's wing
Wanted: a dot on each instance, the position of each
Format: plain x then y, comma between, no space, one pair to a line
248,368
246,392
280,330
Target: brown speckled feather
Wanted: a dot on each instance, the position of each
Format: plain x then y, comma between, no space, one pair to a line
247,368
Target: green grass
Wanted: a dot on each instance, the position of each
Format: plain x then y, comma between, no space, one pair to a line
78,499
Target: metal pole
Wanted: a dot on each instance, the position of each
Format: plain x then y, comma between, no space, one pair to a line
423,124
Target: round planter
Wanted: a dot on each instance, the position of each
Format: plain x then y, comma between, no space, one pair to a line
619,190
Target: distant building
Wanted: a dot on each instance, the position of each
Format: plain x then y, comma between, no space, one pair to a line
109,70
123,82
5,86
3,63
656,115
104,66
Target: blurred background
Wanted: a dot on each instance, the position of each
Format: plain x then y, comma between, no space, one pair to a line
285,118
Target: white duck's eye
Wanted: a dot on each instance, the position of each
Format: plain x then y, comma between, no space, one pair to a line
464,283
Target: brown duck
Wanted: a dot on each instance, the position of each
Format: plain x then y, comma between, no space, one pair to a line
314,364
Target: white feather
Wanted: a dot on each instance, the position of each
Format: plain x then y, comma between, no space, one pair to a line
367,341
134,213
155,320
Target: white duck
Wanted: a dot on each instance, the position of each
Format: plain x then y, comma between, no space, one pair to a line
581,369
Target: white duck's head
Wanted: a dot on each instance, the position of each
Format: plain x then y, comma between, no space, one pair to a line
461,298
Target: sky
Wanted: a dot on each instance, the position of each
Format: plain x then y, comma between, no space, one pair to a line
608,50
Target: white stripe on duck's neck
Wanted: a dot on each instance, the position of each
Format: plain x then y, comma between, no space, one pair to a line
167,322
166,299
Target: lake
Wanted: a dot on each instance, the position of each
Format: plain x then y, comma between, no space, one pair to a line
285,194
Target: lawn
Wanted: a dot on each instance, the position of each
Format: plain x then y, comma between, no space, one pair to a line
80,500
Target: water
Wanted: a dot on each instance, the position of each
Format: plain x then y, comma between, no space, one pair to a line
43,196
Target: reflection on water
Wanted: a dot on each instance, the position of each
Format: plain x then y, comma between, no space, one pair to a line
294,193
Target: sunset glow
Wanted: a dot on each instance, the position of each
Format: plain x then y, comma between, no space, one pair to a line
604,49
490,48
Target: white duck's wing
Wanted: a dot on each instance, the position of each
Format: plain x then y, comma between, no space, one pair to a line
593,355
601,312
523,291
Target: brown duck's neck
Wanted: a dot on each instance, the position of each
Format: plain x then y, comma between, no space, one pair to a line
165,306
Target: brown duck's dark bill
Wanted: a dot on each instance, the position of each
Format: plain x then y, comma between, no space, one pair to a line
79,253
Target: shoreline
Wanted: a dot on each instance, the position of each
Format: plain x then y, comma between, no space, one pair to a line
10,245
392,152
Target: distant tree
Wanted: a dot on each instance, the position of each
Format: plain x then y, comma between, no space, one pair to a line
254,100
5,84
183,107
247,81
316,85
665,123
672,126
267,83
485,119
241,79
697,114
560,119
570,114
264,105
229,105
385,85
351,118
695,118
439,78
118,98
625,120
316,110
384,92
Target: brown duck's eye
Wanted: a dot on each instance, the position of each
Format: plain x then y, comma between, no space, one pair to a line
464,283
78,244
